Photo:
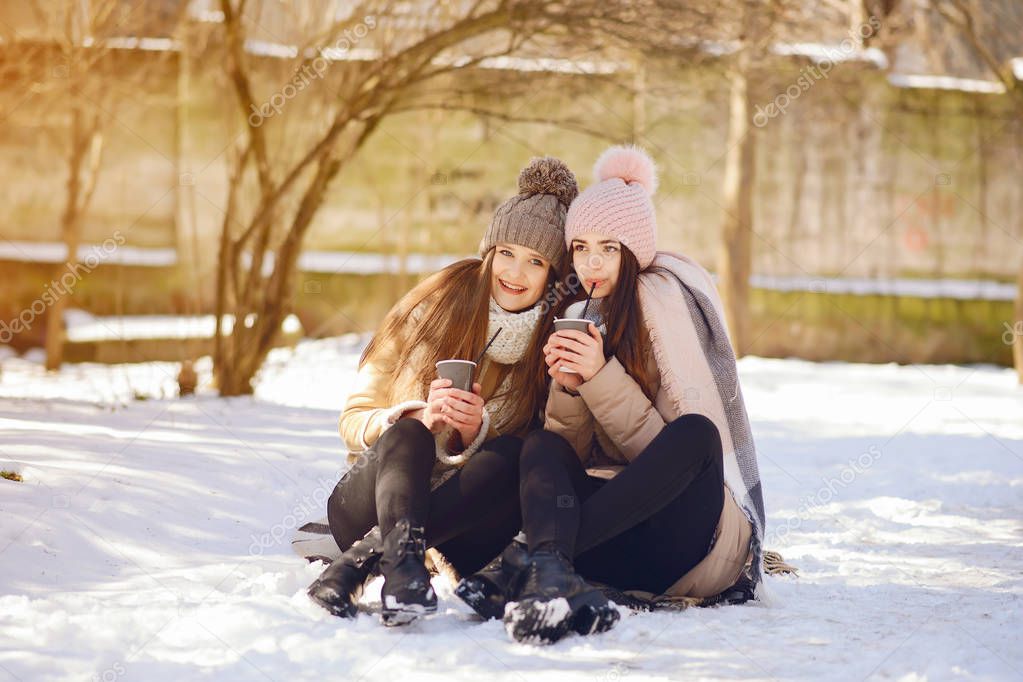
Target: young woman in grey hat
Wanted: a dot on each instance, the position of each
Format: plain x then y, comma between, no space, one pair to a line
432,465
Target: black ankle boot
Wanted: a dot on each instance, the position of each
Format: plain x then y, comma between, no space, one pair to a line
553,599
339,586
487,591
407,593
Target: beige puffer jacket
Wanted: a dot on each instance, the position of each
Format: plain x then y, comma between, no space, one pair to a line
367,414
609,424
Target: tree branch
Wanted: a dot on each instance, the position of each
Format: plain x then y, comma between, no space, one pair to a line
243,90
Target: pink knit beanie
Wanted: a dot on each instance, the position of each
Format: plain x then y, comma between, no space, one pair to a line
619,204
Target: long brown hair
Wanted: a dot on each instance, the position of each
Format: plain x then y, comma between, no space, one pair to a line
453,324
627,338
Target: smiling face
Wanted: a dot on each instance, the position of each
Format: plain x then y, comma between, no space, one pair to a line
597,259
519,276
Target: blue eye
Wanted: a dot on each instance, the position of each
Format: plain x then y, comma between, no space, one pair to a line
537,262
505,252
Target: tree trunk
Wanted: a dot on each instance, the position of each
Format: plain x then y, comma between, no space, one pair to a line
247,347
1017,344
71,228
639,113
734,262
223,362
191,262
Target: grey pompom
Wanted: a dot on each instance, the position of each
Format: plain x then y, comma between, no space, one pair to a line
548,175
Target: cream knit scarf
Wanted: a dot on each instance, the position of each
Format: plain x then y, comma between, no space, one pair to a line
507,349
516,332
510,345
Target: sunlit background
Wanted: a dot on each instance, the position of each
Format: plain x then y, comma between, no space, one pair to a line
849,171
202,200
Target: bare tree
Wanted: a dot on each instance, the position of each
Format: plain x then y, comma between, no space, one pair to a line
421,55
755,27
85,148
992,32
78,39
1017,344
735,254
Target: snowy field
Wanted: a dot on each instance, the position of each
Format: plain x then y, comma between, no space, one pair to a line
149,538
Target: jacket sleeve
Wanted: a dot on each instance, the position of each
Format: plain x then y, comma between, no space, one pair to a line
366,415
621,408
568,416
446,456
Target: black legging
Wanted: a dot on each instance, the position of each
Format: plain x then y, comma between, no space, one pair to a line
469,518
644,528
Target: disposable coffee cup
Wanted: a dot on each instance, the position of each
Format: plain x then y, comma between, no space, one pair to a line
576,323
458,371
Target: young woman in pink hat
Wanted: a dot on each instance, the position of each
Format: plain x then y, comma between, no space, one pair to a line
644,478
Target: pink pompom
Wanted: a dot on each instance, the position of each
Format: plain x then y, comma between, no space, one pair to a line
631,164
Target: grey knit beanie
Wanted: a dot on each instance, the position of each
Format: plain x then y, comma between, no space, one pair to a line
535,218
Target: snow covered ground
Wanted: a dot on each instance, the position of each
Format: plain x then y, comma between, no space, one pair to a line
149,538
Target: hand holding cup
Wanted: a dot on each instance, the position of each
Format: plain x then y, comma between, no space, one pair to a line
570,351
460,404
432,414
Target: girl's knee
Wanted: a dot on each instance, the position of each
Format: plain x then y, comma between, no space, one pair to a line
698,435
500,454
543,445
409,437
407,427
543,438
695,425
507,445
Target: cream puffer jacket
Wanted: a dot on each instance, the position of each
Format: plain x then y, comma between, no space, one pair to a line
608,424
366,414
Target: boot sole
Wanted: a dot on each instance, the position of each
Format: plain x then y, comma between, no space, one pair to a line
546,622
341,610
396,613
592,613
482,596
591,620
538,622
